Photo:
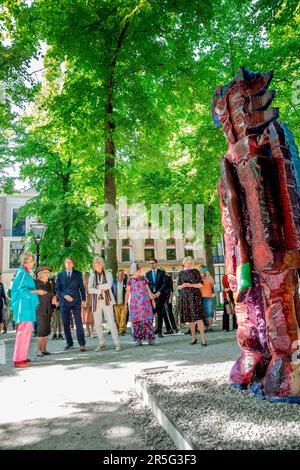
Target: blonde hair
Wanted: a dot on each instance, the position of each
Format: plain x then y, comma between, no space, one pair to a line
27,257
186,259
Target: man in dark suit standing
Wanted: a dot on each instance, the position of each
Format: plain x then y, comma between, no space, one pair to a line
156,278
171,326
70,289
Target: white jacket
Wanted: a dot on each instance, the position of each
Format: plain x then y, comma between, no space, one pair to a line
102,287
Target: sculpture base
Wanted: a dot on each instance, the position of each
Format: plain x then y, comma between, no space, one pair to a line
257,390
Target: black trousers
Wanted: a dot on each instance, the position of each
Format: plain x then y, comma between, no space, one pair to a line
161,313
226,319
169,317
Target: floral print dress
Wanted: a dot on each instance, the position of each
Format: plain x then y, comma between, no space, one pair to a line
141,312
191,304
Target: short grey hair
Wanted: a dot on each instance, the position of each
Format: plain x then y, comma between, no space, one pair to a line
39,274
100,260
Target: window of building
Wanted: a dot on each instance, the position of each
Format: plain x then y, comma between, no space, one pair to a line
125,255
218,253
149,242
124,221
219,272
149,254
126,242
18,229
171,241
171,254
15,251
189,252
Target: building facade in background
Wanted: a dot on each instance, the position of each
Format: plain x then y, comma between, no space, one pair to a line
12,233
169,253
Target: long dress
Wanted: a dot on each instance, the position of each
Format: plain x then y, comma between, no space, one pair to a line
141,312
44,309
228,306
191,305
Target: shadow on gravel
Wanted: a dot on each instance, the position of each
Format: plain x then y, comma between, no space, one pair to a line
101,425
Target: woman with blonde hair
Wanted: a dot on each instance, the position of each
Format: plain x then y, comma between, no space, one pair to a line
191,305
141,312
102,301
24,298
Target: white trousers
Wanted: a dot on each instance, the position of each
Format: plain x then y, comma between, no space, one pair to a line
108,311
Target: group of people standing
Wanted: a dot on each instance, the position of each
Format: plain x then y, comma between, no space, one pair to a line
145,296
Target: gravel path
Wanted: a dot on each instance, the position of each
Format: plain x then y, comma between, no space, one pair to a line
215,416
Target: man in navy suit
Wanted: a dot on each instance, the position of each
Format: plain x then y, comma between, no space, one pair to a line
69,286
156,278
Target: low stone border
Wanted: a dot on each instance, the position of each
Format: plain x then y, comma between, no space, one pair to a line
180,438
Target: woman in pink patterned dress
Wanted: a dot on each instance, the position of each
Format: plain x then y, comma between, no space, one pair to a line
141,312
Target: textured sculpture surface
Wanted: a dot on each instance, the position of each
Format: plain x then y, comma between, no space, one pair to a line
260,206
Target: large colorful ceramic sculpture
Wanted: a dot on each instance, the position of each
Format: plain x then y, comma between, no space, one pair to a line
260,205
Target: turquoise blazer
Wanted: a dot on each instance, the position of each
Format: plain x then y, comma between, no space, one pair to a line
24,303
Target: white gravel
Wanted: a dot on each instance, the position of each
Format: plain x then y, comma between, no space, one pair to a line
215,416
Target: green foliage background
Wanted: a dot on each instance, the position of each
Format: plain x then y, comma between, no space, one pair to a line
165,59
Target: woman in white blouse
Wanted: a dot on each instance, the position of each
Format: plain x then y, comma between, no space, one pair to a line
102,301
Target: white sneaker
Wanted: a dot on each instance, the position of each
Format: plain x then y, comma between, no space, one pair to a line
118,348
100,348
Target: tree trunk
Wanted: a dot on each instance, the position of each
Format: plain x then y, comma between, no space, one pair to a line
209,253
208,240
110,194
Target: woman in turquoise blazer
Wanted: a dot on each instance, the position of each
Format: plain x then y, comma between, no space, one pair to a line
24,299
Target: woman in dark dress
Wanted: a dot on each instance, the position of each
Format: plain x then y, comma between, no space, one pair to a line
44,309
191,306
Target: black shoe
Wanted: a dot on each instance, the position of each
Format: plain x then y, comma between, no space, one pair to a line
160,335
168,332
46,353
156,332
54,336
195,341
109,333
203,344
60,337
123,333
69,346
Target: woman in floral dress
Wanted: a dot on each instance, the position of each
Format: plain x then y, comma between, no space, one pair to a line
141,312
191,305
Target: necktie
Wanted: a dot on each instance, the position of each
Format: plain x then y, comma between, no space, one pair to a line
154,276
69,273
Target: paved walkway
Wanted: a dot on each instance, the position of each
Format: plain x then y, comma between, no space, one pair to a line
74,400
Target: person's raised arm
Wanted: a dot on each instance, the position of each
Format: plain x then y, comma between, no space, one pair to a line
109,281
91,289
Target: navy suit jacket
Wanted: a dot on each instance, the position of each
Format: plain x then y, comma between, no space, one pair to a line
159,282
72,286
